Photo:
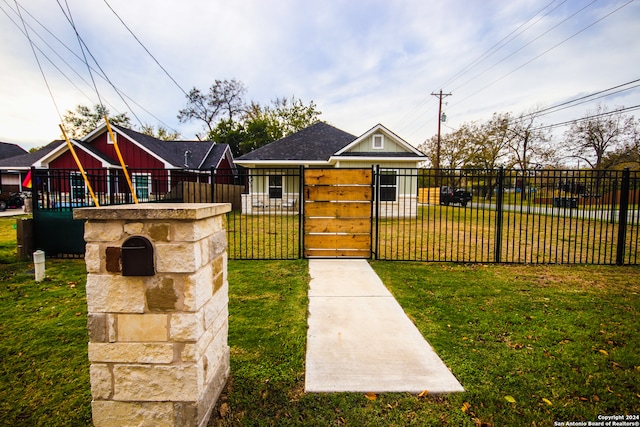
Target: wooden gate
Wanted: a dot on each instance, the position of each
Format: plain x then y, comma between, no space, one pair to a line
337,212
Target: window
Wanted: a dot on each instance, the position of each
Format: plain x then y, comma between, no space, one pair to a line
78,189
378,142
142,185
109,140
275,186
388,186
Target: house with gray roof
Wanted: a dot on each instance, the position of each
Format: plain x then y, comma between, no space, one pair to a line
10,182
275,184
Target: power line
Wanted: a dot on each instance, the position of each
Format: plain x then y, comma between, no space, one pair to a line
548,50
98,65
38,61
488,53
73,68
526,44
145,48
608,113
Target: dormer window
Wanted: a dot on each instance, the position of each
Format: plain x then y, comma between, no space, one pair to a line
378,142
109,140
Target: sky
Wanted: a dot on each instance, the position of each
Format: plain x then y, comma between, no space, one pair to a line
362,62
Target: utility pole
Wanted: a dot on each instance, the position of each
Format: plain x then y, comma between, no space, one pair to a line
440,95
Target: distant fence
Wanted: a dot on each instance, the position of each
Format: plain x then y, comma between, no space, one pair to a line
513,216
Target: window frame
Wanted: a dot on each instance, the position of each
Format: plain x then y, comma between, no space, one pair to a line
274,189
137,187
391,188
377,137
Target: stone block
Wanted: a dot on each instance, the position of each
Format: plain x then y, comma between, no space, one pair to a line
112,331
178,257
198,288
158,232
142,327
213,389
217,304
108,293
161,295
113,259
188,231
161,353
155,383
186,326
133,228
101,381
218,243
97,326
103,231
140,414
92,257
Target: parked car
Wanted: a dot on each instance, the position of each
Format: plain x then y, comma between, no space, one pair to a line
11,200
454,195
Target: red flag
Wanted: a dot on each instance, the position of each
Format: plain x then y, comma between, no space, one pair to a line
27,181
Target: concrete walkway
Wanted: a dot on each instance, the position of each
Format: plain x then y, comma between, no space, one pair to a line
360,340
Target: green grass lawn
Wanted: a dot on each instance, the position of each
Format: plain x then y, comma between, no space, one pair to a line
530,344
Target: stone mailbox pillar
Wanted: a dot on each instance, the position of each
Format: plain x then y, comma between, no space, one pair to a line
157,334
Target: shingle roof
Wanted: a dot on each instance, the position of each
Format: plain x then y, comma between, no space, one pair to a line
317,142
173,152
26,160
10,150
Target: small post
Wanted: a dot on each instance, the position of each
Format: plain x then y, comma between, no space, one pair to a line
622,215
38,263
499,215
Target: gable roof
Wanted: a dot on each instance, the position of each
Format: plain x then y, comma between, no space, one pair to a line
10,150
200,155
410,151
317,143
179,154
25,161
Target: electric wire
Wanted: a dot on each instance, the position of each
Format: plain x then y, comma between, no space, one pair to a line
74,70
146,50
34,45
545,52
98,65
526,44
38,61
488,53
594,116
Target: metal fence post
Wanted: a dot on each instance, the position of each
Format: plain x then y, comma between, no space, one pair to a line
34,189
301,214
376,196
622,215
499,215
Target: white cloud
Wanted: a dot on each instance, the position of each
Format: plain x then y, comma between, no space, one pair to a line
361,62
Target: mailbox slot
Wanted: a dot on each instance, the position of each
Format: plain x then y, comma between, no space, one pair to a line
137,257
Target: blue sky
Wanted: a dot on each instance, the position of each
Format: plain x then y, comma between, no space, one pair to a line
361,62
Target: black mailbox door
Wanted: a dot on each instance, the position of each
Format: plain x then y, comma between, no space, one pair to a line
137,257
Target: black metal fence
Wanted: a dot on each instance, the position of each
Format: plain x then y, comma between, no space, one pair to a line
462,215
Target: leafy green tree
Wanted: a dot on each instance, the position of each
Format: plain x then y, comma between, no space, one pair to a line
83,120
261,125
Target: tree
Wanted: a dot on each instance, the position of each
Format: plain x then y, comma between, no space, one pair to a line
599,133
225,98
530,144
261,125
84,120
161,133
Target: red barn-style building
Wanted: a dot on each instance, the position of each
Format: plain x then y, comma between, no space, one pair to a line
154,166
